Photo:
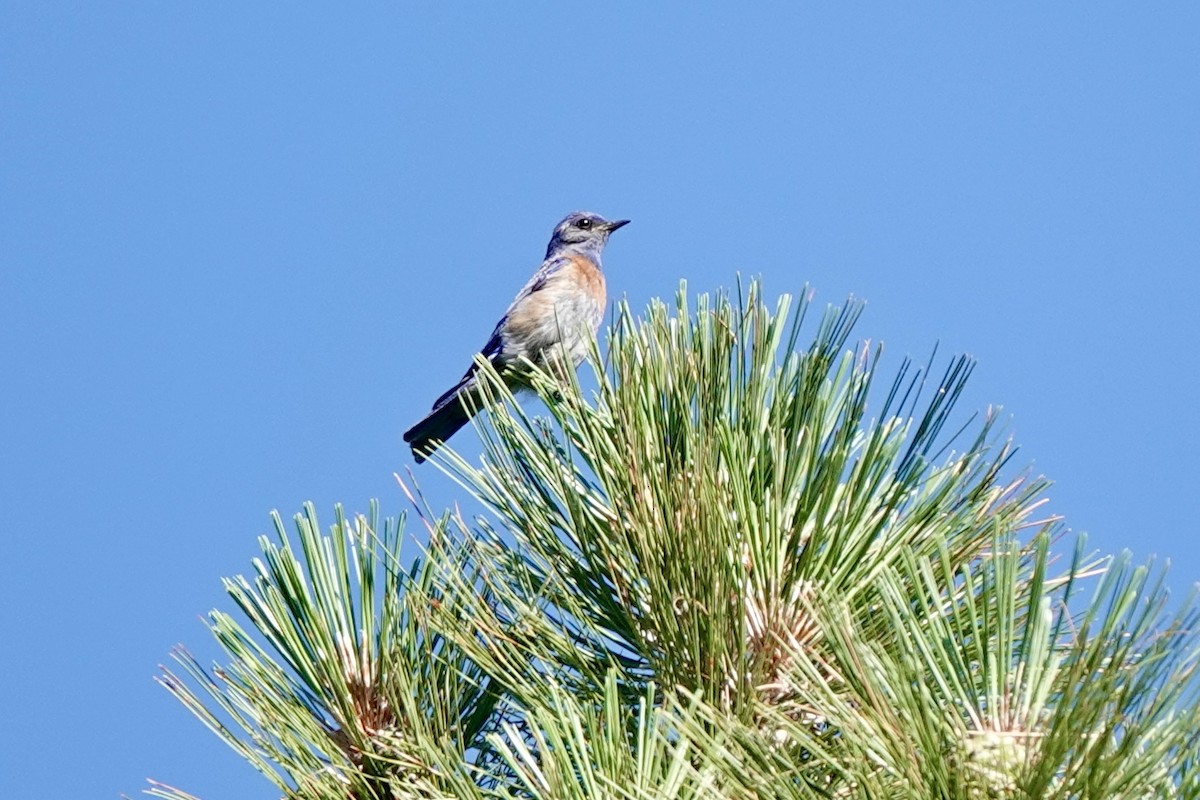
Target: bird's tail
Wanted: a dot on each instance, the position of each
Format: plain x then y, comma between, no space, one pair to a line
448,415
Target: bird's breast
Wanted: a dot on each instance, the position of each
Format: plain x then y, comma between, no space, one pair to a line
589,279
559,316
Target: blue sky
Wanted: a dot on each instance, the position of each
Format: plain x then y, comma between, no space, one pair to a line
242,249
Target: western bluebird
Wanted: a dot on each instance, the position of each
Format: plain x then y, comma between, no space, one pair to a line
553,316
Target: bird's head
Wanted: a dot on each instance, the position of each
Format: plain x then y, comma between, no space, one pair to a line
583,230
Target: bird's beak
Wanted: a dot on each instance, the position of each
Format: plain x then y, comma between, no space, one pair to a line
612,226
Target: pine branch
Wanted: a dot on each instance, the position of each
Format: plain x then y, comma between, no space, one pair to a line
737,568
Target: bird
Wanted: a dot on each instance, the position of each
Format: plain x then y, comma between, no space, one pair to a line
552,318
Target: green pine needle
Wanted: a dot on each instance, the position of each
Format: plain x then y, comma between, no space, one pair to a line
740,566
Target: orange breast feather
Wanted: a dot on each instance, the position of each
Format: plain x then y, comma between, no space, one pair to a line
591,279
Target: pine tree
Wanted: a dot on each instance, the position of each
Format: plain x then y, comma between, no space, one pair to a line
736,568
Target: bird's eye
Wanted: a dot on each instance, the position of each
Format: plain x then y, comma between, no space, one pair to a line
585,223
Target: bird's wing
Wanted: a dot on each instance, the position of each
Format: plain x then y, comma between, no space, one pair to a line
495,343
538,281
490,351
